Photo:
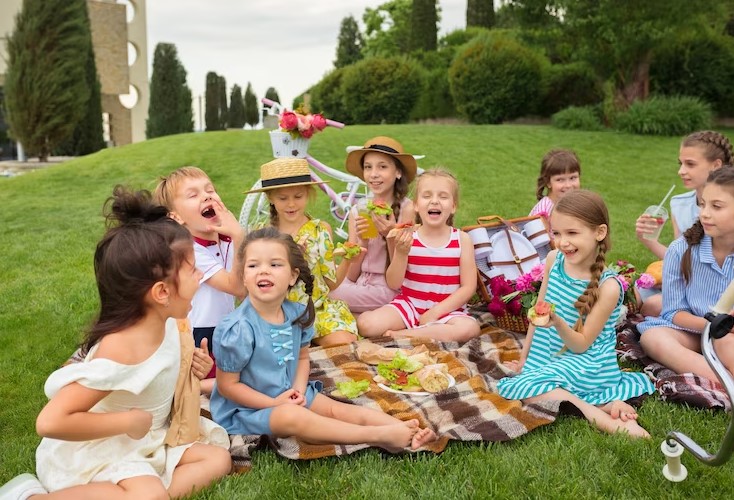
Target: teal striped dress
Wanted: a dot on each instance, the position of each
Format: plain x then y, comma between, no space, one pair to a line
592,375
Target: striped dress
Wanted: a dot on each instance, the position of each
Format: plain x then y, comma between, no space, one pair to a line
432,274
592,375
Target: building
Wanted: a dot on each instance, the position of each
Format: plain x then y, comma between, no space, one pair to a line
120,41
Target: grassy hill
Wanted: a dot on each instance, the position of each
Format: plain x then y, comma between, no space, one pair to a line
50,221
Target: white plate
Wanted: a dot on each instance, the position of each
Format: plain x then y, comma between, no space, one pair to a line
452,382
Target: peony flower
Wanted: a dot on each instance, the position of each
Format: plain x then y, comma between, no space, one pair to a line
624,283
537,272
514,307
525,283
288,120
307,134
304,122
496,307
318,122
645,281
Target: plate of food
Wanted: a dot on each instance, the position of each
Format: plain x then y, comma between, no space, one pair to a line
409,375
451,382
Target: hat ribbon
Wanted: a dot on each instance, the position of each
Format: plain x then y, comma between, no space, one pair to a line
386,149
286,180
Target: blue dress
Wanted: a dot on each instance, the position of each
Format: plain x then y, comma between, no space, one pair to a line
592,375
266,357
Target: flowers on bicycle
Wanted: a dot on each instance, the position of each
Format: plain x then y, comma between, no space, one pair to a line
299,123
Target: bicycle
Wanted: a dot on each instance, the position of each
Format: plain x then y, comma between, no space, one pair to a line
256,206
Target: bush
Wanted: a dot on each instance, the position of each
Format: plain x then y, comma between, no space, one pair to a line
493,79
663,115
701,67
435,99
567,85
381,90
327,97
578,118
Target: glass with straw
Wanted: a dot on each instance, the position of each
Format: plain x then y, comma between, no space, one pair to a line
659,214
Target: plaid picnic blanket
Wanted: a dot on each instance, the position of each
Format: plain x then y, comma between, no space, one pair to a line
469,411
679,388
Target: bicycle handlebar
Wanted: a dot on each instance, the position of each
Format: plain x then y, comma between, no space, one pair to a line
277,106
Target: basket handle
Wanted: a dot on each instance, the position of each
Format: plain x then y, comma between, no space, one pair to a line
484,219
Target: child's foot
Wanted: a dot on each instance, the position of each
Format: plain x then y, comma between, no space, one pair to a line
621,410
630,427
423,436
396,437
22,487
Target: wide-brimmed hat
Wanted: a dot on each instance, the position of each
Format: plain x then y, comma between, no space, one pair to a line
284,172
384,145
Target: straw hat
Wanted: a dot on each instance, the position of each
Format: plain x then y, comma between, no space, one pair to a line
384,145
284,172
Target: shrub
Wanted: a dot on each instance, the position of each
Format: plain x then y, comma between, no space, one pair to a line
327,97
381,90
664,115
567,85
494,78
435,99
578,118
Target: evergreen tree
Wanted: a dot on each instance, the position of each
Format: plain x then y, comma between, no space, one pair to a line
480,13
424,26
169,111
236,118
272,94
223,108
387,29
211,115
349,48
45,86
252,110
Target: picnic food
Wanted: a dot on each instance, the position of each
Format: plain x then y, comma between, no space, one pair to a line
379,207
398,374
433,378
348,250
351,388
373,354
539,314
399,227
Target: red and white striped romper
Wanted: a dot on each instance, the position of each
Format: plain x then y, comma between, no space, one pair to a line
432,275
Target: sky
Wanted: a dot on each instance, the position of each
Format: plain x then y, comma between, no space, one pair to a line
286,44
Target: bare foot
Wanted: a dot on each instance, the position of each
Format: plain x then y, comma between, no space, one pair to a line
621,410
630,427
423,436
396,437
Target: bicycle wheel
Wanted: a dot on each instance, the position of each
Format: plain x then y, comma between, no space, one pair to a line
255,211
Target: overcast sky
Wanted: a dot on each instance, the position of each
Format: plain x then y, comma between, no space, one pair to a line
286,44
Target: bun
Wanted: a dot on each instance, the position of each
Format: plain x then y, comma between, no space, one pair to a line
539,314
399,227
126,207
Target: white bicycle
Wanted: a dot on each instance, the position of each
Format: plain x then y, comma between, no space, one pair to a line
256,207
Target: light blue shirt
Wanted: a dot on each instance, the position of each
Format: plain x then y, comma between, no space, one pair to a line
684,209
708,282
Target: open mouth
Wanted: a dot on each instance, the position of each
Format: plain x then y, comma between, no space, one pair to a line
208,213
434,212
264,284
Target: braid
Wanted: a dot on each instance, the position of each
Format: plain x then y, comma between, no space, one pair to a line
586,301
693,236
716,146
400,191
273,216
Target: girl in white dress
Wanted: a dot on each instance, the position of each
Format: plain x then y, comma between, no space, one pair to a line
105,426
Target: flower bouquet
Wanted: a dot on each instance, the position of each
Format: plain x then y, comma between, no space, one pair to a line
296,129
629,278
512,299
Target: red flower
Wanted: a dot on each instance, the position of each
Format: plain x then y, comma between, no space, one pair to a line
307,134
288,120
318,122
496,307
514,307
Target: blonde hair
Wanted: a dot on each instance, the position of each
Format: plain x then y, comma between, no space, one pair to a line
274,220
439,172
168,185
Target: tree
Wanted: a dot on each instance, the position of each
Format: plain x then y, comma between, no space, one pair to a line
349,48
45,85
169,111
424,25
223,108
236,118
480,13
252,110
387,29
272,94
211,96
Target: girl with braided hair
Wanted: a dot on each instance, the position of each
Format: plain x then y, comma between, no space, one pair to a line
573,358
700,154
263,365
696,270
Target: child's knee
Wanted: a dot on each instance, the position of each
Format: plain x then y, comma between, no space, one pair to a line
221,461
286,419
367,324
652,340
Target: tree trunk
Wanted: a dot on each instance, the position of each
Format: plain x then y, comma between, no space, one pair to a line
638,85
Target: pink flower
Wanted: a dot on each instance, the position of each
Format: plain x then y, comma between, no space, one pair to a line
307,134
514,307
624,283
288,120
496,307
525,283
318,122
645,281
537,272
304,122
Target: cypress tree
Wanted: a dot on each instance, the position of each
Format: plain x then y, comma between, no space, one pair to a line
45,86
211,95
424,26
272,94
236,117
223,108
252,110
349,48
480,13
169,111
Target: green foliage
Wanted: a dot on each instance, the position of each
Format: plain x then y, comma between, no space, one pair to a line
252,108
211,96
236,116
387,29
424,25
272,94
578,118
350,42
223,107
169,111
663,115
380,90
573,84
495,78
434,100
45,85
480,13
327,97
702,66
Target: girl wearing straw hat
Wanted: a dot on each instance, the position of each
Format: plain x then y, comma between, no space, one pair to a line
288,185
387,170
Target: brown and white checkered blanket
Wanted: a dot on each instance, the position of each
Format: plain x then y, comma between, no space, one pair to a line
680,388
469,411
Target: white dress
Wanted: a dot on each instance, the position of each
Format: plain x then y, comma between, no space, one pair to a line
149,386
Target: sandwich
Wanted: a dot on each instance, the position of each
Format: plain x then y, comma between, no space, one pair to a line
399,227
348,250
433,378
379,207
539,314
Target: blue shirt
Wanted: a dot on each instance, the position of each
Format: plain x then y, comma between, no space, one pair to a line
708,282
684,209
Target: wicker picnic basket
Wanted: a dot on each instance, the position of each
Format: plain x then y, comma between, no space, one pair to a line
513,323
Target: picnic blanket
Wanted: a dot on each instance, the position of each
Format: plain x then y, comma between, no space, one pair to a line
469,411
679,388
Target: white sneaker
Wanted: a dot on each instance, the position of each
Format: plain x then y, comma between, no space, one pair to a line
21,487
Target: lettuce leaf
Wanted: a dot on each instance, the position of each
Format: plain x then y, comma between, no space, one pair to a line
353,388
402,362
386,371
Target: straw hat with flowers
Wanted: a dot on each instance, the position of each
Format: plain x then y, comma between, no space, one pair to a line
284,172
384,145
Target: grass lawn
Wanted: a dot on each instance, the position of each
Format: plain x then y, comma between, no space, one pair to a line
50,221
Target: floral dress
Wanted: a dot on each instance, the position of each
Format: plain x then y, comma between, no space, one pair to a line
331,314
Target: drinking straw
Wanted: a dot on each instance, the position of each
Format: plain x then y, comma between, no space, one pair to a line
666,196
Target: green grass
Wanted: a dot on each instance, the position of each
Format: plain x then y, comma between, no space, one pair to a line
50,221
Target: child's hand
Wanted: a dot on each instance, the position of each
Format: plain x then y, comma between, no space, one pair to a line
384,224
139,423
428,317
361,225
228,224
515,365
202,363
645,224
290,397
404,240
